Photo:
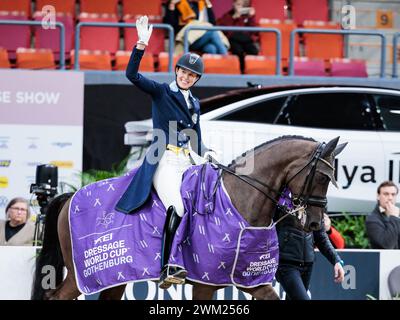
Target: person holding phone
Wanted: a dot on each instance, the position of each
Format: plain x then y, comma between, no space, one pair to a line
242,43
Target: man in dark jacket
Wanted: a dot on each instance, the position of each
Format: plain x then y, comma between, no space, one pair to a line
383,224
296,256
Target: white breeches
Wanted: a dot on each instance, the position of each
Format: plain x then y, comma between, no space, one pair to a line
167,179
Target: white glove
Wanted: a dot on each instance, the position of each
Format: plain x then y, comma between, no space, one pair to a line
144,30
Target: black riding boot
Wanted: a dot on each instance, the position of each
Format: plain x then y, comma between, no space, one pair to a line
170,274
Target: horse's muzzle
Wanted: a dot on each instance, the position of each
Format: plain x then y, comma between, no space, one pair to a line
314,226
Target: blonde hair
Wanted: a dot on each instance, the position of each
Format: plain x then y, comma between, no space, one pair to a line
19,199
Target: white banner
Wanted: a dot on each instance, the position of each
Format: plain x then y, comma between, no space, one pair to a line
41,122
16,272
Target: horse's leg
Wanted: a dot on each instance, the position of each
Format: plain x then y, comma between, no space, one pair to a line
114,293
67,289
265,292
203,292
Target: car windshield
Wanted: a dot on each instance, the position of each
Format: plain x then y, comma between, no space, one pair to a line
388,108
346,111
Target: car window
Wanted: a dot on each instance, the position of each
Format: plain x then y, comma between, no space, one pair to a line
388,108
261,112
349,111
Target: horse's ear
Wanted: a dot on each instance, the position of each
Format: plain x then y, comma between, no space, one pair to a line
339,149
329,148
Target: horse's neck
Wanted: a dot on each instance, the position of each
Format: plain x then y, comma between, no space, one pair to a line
267,167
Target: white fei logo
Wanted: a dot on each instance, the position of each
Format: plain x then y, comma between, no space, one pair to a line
49,17
348,17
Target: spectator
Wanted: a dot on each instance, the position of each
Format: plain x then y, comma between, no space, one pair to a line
296,256
383,224
335,237
241,42
18,230
182,13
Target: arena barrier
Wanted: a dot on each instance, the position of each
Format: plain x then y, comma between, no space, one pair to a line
366,273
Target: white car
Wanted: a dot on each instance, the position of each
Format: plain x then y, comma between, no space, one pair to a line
367,118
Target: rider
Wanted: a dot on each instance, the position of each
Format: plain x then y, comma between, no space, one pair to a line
296,256
176,112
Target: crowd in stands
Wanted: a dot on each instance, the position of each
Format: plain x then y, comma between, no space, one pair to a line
228,52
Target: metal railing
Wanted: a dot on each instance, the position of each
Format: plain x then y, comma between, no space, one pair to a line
396,37
243,29
40,23
344,32
124,25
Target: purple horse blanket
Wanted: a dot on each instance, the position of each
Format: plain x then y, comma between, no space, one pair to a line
213,242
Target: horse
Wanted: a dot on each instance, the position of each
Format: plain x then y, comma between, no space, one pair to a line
301,164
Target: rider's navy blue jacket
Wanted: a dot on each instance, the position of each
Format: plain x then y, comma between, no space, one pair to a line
171,115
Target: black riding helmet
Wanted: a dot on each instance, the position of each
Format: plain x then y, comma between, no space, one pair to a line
192,62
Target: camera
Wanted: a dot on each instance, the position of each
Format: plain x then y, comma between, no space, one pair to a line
45,188
46,180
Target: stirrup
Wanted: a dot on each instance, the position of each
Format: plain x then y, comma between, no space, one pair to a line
172,275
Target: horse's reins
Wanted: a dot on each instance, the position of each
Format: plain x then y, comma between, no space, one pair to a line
301,202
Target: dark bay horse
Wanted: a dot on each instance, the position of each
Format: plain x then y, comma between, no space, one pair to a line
254,183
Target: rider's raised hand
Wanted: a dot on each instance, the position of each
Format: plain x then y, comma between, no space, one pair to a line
143,30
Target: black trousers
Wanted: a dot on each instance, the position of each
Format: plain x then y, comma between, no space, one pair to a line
242,44
295,280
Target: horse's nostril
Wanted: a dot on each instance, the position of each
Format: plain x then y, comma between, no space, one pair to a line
314,226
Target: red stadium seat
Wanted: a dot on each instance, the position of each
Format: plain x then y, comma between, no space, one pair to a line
221,7
259,65
156,44
50,38
268,39
151,8
348,68
35,59
64,6
122,60
309,10
16,5
4,62
99,38
323,46
14,36
163,60
103,6
270,9
217,63
307,67
92,60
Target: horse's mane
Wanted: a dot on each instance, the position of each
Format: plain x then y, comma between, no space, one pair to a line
266,144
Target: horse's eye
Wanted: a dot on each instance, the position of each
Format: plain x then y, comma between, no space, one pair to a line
322,179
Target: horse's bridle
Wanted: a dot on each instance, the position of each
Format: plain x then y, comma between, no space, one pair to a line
300,201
